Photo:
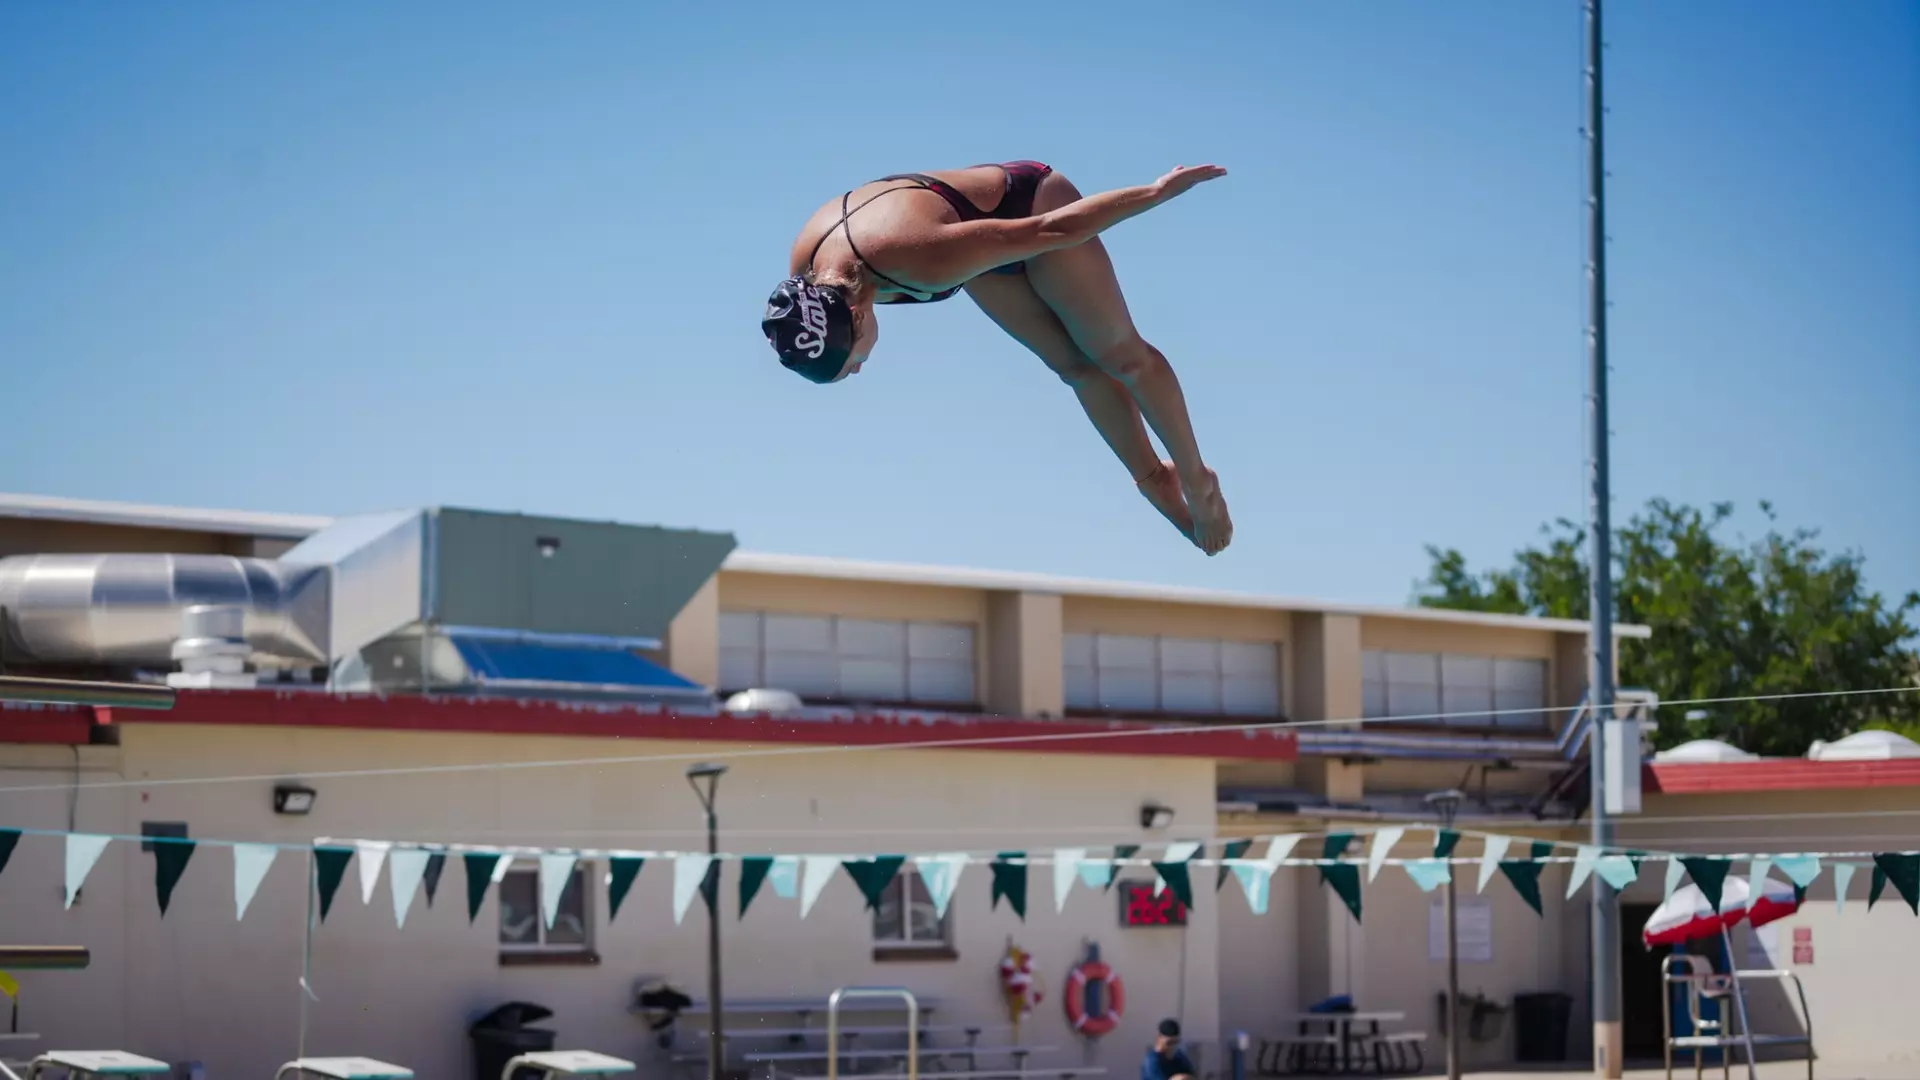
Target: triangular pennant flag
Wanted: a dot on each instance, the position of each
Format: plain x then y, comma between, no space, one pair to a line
1256,880
785,876
373,855
1879,886
1429,874
169,862
1675,871
1121,853
1585,858
436,865
1496,850
500,870
1382,847
1524,874
329,870
753,871
1636,857
1229,851
1280,850
480,869
1009,871
83,850
8,838
621,870
1173,868
1903,869
1618,871
1096,873
873,874
815,872
1343,878
1066,867
689,874
1757,877
1800,869
940,874
1710,875
1842,879
556,870
1444,841
250,863
405,868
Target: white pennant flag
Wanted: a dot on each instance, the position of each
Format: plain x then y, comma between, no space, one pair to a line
555,871
815,872
1256,880
500,868
1383,843
1757,884
250,862
940,874
1490,859
407,867
1584,860
1280,850
1675,871
688,872
1842,878
83,850
1177,852
1066,867
784,876
372,854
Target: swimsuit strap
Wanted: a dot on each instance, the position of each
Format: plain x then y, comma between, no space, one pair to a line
843,224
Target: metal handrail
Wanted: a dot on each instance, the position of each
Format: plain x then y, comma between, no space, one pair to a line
913,1024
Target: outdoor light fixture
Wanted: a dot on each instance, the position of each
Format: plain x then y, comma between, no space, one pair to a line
1155,816
292,799
548,545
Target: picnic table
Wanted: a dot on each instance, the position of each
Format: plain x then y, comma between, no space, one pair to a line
1350,1039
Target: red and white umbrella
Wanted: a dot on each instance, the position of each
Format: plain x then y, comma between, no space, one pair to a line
1686,915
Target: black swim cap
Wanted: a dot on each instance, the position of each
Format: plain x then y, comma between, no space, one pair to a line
811,327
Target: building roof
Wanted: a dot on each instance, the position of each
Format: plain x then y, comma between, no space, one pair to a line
298,526
1778,774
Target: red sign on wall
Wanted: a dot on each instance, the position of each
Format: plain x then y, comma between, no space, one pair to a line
1802,954
1803,935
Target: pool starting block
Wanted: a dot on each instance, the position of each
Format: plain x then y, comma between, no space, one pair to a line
344,1068
552,1063
96,1063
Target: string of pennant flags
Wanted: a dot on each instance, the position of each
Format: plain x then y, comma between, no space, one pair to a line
416,866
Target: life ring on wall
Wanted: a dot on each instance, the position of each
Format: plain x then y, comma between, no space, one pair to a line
1112,996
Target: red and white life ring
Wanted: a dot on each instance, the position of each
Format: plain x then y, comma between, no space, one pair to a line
1113,991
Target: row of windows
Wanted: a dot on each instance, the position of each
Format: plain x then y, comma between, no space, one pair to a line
1472,691
879,661
905,918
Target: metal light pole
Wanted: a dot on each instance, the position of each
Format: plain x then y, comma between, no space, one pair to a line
1606,907
1447,803
716,1007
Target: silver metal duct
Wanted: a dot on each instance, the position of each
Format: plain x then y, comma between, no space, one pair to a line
127,609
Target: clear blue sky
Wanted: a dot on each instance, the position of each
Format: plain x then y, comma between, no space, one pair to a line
355,256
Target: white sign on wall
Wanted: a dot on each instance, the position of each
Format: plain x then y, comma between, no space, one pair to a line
1473,917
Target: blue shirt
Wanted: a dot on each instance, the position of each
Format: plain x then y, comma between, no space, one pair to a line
1155,1067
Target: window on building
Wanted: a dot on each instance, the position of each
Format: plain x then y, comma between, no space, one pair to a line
906,917
844,659
524,930
1471,691
1180,676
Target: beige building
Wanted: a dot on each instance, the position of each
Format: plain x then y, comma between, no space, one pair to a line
1066,710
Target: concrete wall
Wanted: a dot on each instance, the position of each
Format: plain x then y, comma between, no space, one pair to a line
196,985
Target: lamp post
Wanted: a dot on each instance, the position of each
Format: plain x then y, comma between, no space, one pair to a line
716,1009
1447,804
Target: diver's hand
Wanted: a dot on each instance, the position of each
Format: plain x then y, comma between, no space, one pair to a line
1185,178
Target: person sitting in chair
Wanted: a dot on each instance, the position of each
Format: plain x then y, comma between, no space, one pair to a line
1165,1060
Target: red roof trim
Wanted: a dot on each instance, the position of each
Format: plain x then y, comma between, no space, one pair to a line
261,708
46,725
1785,774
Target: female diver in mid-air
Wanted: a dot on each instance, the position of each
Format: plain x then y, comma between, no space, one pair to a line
1033,262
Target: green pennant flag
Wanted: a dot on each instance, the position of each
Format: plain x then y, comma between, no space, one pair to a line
1444,841
479,866
753,874
621,870
1636,855
329,867
1879,886
1343,878
1121,853
873,875
1799,894
1232,849
1177,879
1524,875
8,838
1010,881
1904,871
169,862
1709,874
430,877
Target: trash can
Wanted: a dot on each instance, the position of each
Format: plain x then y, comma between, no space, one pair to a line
1540,1023
502,1035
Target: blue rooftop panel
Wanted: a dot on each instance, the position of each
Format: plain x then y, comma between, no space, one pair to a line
514,661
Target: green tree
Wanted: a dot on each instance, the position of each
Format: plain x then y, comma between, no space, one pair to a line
1778,615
